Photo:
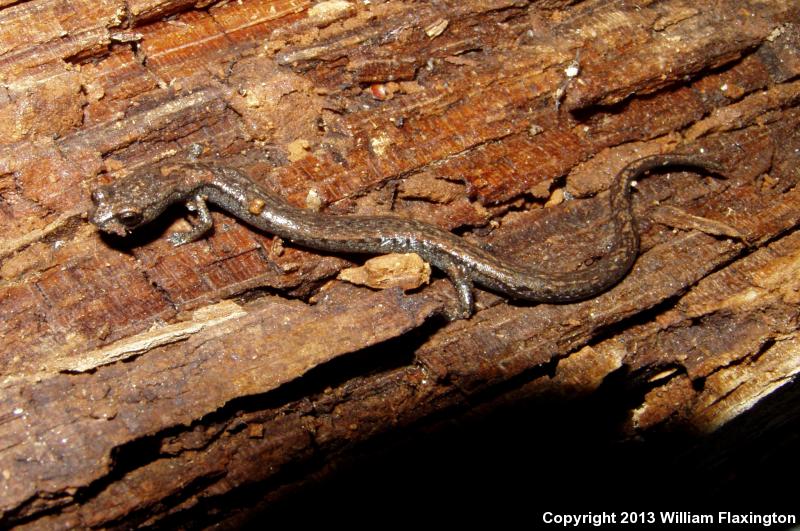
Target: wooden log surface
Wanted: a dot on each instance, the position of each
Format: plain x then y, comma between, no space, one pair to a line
139,382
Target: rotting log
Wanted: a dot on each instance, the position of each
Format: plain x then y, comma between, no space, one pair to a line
146,384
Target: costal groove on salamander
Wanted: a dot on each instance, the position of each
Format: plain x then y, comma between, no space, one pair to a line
142,196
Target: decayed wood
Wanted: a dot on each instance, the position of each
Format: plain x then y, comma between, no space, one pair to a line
125,366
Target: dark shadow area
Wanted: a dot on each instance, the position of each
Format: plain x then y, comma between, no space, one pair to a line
525,459
512,462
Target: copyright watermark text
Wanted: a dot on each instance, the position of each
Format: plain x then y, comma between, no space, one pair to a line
666,518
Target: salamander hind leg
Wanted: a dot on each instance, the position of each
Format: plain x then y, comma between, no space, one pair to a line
466,298
200,228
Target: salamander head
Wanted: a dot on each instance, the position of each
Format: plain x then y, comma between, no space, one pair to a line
132,201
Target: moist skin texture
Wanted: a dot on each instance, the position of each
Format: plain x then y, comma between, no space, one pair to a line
139,198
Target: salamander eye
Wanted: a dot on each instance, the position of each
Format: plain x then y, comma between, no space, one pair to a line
130,217
98,195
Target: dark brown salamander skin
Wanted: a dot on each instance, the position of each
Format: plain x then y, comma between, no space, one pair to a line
141,197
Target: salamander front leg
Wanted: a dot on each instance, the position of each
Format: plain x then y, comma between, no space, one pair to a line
463,285
200,228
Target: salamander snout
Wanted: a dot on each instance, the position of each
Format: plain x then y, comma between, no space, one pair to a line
110,217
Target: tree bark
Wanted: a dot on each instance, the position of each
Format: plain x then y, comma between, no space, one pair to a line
143,384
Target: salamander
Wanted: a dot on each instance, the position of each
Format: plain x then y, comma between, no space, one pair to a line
142,196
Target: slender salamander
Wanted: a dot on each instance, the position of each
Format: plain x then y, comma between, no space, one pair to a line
142,196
